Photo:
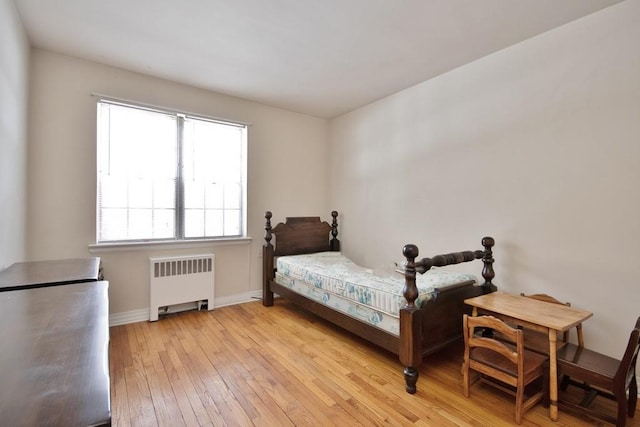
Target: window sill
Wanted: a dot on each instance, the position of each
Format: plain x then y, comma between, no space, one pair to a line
99,248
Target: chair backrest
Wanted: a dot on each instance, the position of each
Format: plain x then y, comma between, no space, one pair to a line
549,298
512,334
545,298
628,362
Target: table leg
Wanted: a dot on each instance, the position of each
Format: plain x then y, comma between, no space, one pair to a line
580,338
553,376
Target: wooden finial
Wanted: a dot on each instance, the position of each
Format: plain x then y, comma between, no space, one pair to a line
487,271
334,244
410,290
267,227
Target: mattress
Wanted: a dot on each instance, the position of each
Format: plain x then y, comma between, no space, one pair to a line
373,296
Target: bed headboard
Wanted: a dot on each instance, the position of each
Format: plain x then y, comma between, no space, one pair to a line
302,235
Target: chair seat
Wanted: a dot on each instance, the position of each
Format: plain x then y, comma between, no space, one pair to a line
532,361
601,368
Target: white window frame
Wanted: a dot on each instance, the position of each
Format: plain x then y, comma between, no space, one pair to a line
179,224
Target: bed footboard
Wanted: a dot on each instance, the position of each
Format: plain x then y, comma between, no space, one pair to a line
439,322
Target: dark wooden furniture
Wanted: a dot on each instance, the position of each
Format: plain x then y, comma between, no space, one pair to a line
492,358
423,330
35,274
541,316
602,375
54,362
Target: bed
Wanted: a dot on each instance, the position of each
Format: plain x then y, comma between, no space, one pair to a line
410,308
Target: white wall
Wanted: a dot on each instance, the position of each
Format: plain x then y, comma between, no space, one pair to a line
537,145
62,126
14,69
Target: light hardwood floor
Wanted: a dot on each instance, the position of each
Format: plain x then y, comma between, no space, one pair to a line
249,365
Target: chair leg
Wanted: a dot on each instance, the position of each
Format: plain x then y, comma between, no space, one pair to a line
588,398
519,400
621,399
465,379
633,396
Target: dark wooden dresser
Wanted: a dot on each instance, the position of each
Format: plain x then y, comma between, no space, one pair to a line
54,355
36,274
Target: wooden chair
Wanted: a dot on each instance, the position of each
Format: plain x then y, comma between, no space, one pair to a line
602,375
512,366
539,341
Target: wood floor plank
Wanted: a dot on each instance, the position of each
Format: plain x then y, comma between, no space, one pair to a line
304,384
219,403
189,405
120,413
248,365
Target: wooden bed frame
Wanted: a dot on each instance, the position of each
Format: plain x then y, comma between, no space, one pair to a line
422,330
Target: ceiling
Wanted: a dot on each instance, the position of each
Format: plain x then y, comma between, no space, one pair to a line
318,57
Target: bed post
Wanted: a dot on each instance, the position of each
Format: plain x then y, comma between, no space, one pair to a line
487,270
334,244
267,263
410,350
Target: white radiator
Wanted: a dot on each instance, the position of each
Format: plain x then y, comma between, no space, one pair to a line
180,280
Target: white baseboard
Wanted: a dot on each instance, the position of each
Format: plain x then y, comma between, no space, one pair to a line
239,299
129,317
142,314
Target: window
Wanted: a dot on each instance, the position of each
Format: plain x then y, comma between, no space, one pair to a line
168,176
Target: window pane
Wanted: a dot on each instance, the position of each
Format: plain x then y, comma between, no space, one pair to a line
137,166
193,194
113,192
214,221
232,222
214,196
140,193
112,224
140,143
214,175
232,196
193,223
163,223
140,224
164,194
